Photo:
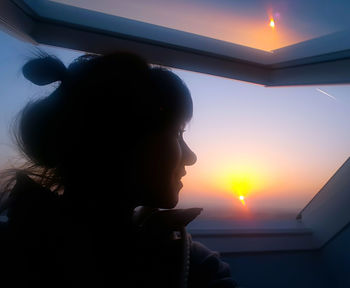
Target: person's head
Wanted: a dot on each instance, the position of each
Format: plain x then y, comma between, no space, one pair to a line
113,126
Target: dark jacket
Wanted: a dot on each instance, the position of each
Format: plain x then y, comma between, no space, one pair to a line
43,247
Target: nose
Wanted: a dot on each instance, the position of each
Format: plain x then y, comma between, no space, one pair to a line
189,157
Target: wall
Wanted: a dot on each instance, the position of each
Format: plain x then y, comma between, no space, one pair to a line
327,267
336,255
282,270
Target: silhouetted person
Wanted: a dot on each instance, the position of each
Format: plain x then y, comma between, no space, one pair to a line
107,140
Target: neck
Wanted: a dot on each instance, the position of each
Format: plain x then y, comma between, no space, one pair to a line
101,204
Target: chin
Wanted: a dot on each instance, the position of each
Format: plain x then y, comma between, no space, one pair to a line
168,203
171,201
164,198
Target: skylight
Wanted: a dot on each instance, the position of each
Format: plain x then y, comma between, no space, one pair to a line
278,146
273,43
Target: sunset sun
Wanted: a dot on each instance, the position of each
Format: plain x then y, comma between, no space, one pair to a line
241,180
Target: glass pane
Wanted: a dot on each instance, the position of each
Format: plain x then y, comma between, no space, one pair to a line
262,152
261,24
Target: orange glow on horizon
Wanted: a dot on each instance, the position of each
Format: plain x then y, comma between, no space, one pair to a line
244,184
263,178
239,180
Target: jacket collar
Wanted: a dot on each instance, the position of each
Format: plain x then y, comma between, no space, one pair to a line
172,219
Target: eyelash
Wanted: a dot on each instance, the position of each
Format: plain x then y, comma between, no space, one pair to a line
181,132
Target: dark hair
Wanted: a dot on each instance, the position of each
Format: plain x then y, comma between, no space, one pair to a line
97,94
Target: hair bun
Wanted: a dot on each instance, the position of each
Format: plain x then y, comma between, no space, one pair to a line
45,70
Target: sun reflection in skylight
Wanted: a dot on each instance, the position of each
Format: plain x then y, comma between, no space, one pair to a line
251,24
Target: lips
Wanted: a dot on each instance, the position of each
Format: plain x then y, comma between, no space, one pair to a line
178,177
180,174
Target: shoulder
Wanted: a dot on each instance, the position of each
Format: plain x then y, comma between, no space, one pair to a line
207,269
31,207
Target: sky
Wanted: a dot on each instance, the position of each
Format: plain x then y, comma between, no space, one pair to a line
276,147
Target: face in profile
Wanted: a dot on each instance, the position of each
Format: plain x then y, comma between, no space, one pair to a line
166,158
